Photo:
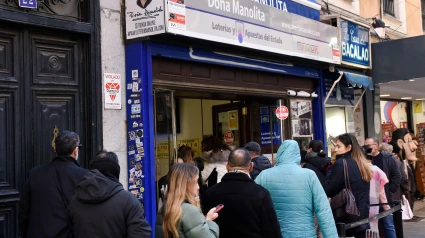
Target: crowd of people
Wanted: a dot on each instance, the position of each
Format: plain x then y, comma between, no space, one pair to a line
237,193
295,197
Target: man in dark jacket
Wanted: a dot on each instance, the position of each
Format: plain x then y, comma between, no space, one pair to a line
388,164
260,162
248,208
102,208
44,199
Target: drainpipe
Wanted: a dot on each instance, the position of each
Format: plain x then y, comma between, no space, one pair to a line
381,10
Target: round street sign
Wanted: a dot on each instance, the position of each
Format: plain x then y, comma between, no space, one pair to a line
229,137
282,112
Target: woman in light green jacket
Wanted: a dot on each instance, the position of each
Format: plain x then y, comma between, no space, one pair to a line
181,215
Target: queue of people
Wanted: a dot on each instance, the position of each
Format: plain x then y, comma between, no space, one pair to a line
238,193
63,200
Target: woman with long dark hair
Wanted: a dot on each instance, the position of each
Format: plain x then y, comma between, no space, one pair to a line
347,148
181,216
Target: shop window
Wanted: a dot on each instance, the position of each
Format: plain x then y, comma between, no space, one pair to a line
389,7
394,115
342,117
301,122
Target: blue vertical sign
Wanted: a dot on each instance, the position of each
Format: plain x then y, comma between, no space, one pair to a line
268,136
28,3
135,134
355,44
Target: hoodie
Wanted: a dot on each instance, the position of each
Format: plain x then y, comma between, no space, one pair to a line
296,194
102,208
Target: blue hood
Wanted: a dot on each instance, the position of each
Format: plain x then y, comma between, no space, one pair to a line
289,153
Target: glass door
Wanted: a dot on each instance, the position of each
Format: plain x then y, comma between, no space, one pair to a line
228,124
165,132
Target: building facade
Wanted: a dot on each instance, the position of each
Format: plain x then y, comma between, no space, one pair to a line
142,88
49,72
245,72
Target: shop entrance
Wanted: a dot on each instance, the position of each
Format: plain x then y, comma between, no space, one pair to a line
186,117
193,100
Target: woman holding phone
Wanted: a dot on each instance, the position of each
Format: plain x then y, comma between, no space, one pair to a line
181,215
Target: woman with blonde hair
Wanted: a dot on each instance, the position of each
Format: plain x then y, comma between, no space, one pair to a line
360,174
187,155
181,215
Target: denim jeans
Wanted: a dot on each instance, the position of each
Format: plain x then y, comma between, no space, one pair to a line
387,224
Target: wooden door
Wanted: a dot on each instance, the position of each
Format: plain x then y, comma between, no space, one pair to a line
42,78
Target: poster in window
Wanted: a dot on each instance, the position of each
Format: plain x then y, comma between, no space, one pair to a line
301,128
295,128
233,120
417,107
300,109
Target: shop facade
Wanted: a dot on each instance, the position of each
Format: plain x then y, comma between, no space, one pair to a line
241,73
49,74
347,86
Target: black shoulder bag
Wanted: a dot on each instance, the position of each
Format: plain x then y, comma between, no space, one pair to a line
343,204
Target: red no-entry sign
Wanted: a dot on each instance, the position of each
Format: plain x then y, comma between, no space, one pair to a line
229,137
282,112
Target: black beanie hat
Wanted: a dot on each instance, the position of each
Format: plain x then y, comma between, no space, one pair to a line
107,164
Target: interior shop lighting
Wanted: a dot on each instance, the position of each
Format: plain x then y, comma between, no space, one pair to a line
411,80
406,98
301,94
420,99
384,95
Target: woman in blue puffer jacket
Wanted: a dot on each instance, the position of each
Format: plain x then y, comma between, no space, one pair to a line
297,194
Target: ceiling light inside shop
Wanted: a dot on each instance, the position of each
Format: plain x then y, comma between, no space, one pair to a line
385,95
411,80
420,99
406,98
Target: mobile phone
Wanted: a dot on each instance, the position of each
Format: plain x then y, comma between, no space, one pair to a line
219,207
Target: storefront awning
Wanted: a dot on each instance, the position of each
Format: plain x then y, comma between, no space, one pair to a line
353,78
358,80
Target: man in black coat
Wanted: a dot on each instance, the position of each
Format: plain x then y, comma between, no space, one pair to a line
248,208
388,164
102,208
44,199
260,162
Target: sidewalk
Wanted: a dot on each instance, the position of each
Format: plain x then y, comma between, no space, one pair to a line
416,229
